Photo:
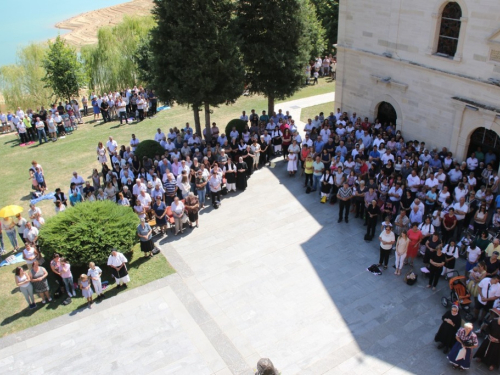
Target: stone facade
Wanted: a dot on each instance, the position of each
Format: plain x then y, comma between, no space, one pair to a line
387,53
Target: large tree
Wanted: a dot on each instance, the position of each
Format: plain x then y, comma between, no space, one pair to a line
21,84
328,13
276,45
111,64
64,71
194,55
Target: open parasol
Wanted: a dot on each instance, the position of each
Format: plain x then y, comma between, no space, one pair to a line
11,210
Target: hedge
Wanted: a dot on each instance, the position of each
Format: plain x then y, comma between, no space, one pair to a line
239,124
88,231
149,148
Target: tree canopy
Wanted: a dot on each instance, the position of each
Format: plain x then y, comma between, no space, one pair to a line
63,70
111,64
276,40
194,54
21,83
328,12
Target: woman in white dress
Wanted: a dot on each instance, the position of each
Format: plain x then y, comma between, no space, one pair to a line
101,154
118,268
292,164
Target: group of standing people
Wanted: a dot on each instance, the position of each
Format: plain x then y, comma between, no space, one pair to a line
418,199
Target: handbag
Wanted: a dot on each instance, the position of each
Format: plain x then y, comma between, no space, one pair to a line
184,218
472,288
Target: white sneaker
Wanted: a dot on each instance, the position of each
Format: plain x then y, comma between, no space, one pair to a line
74,293
69,294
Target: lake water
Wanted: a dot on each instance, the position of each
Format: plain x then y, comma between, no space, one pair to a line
28,21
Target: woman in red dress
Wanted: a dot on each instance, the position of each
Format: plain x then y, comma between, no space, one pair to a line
287,140
415,236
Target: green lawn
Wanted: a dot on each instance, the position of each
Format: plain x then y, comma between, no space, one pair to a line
310,112
77,152
16,317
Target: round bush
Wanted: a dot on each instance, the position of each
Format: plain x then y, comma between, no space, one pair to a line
239,124
149,148
88,231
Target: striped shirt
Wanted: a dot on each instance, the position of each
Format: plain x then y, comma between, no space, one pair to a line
169,187
344,193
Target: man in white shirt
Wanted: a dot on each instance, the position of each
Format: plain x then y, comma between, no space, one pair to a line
78,181
144,198
419,204
488,293
159,135
461,209
244,116
431,181
395,193
413,182
387,156
121,107
111,145
338,115
138,187
316,123
134,142
308,127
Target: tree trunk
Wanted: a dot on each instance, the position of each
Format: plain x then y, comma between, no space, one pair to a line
207,122
197,125
270,105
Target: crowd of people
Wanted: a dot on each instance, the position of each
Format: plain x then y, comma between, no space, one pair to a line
62,118
417,199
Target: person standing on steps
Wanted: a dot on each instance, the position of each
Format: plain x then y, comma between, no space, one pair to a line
344,195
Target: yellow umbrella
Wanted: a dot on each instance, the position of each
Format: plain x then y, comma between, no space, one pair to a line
9,211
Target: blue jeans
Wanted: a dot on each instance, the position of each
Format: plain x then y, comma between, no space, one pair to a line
201,196
12,234
469,266
68,284
193,188
41,132
207,190
316,182
2,247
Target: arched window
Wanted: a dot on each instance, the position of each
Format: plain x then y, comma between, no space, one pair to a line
449,30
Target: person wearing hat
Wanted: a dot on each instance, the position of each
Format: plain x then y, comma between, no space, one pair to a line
448,328
117,262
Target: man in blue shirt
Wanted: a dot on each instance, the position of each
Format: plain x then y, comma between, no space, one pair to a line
318,145
367,140
375,155
75,198
264,118
342,149
435,163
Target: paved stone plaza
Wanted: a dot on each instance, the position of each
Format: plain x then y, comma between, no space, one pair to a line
269,274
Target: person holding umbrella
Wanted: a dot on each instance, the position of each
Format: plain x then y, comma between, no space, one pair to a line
8,224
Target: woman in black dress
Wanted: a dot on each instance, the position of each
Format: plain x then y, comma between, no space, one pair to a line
241,176
430,247
248,158
230,175
437,262
448,329
489,351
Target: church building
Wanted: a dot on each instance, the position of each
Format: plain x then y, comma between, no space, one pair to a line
432,67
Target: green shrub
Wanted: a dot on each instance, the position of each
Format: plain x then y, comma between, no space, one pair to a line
239,124
149,148
88,231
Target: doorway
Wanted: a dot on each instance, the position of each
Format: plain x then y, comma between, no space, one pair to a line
488,140
386,113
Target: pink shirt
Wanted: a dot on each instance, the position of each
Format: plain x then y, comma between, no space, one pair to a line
65,271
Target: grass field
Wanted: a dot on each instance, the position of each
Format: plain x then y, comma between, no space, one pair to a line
77,152
310,112
16,317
